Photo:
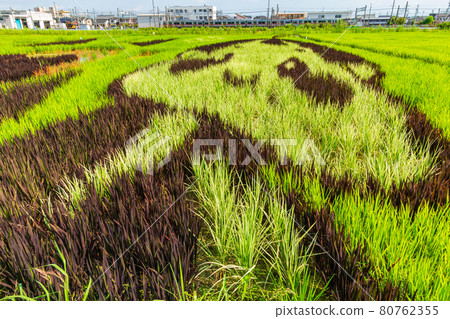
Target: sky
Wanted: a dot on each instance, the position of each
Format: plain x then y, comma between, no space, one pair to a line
250,7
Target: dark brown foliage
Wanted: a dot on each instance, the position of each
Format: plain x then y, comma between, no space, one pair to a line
334,56
274,41
143,44
329,54
221,45
19,97
66,42
147,224
197,64
17,66
319,87
32,166
240,81
435,188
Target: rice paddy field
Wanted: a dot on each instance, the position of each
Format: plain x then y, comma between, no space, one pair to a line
224,165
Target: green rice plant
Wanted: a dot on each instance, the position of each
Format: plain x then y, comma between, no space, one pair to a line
403,250
289,258
251,248
426,46
219,203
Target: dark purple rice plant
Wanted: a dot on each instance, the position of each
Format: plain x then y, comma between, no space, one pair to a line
197,64
19,97
14,67
320,87
240,81
153,42
65,42
32,167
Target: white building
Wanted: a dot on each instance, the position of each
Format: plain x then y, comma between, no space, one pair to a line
330,15
192,13
151,20
22,19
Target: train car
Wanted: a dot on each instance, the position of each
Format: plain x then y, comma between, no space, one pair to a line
243,23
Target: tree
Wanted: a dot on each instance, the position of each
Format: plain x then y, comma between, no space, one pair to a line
401,21
428,20
392,20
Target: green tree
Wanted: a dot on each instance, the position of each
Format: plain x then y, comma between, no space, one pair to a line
428,20
392,20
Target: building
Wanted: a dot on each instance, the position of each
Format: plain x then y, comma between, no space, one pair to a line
291,16
330,15
62,14
241,16
151,20
106,21
202,13
440,17
26,19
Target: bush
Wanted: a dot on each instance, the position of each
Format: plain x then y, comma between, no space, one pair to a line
444,26
428,20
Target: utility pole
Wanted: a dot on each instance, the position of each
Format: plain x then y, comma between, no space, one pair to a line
406,12
417,12
364,19
159,20
118,16
392,12
271,16
370,12
268,12
153,5
446,12
76,17
278,18
55,12
396,16
94,20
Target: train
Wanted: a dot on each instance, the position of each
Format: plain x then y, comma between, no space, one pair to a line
243,23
